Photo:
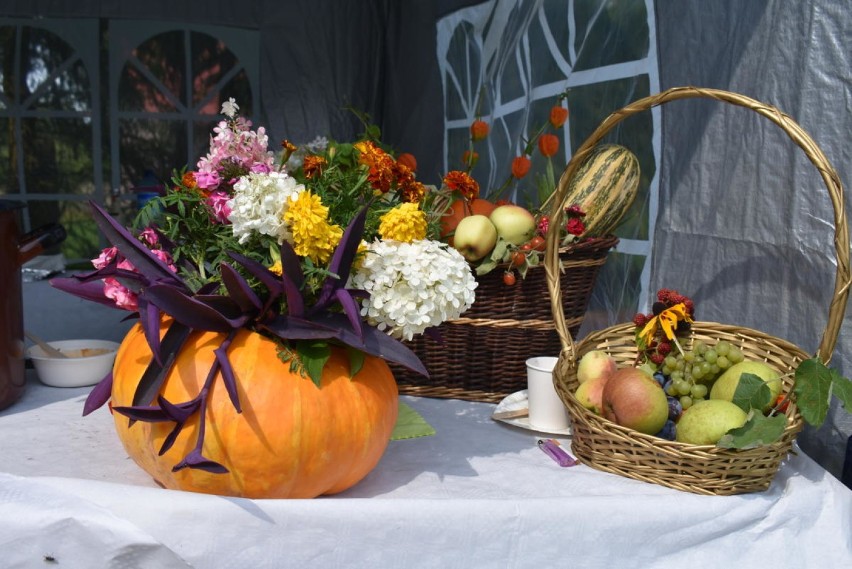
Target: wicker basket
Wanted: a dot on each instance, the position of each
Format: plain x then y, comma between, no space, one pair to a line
481,356
700,469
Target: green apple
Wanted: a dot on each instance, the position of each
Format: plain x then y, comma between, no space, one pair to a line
726,385
475,237
633,399
707,421
594,364
514,224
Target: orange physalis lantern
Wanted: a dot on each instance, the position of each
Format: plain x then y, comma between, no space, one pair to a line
521,166
478,130
548,144
558,116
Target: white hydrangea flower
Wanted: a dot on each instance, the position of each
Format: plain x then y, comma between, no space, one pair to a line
230,108
413,286
259,202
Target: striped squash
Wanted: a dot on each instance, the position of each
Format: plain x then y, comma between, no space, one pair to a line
604,187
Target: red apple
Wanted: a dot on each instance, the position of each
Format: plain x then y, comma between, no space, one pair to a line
514,224
475,237
590,393
634,400
594,364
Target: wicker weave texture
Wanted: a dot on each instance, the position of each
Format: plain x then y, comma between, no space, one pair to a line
700,469
481,356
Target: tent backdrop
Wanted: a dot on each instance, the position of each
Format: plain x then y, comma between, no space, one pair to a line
730,212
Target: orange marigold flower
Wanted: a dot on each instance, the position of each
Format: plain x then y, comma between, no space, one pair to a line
548,144
382,167
461,182
520,166
478,130
188,180
313,165
470,158
407,159
413,191
558,116
288,146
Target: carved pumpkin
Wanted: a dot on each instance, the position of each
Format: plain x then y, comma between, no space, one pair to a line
292,439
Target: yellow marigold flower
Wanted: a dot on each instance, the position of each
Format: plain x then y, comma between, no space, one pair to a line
406,222
276,268
313,236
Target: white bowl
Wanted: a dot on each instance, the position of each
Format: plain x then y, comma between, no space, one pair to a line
77,370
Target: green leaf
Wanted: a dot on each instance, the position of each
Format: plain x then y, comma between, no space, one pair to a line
757,431
500,250
410,424
356,361
752,393
485,267
813,390
313,355
842,388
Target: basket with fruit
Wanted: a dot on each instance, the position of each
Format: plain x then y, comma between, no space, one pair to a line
698,406
481,356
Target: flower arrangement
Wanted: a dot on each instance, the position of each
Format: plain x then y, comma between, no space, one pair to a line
332,244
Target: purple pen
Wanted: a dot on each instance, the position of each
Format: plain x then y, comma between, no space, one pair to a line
551,448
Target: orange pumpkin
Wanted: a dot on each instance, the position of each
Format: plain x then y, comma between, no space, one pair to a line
459,209
292,439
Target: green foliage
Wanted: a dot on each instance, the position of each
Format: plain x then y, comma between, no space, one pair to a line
758,430
313,355
752,393
815,384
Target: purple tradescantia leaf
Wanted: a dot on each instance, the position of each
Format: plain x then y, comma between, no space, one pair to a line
145,413
228,376
275,284
196,460
291,265
350,307
155,374
341,260
91,291
180,412
189,311
99,395
149,319
374,342
239,290
293,328
132,249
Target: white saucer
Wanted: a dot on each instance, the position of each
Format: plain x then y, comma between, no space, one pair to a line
518,400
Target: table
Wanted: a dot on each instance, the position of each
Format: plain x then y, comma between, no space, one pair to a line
477,494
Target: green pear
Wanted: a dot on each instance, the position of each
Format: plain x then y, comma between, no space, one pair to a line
726,385
707,421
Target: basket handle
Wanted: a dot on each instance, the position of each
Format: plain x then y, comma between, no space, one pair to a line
836,309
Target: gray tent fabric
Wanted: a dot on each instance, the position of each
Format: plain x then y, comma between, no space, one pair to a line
744,223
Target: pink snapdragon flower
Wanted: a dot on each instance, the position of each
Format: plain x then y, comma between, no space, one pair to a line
218,203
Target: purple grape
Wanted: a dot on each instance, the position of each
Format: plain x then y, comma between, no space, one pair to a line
675,408
668,431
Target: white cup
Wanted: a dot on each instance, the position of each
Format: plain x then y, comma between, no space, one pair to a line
546,410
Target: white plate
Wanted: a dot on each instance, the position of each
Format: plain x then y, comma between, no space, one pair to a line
518,400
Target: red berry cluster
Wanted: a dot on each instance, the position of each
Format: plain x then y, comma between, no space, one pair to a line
657,351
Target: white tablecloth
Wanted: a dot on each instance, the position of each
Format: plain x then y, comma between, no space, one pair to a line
477,494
